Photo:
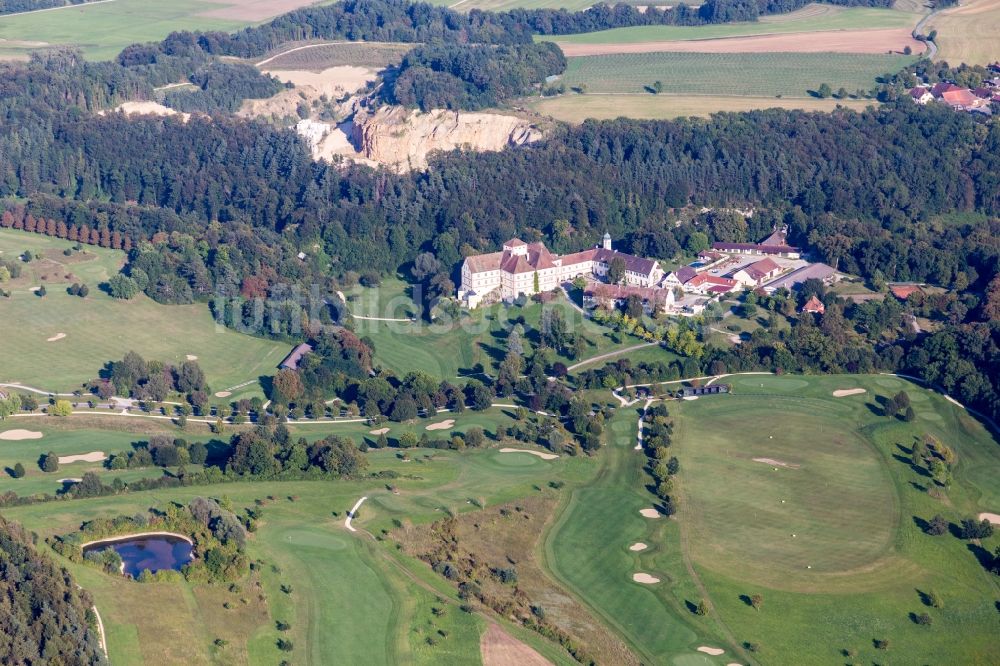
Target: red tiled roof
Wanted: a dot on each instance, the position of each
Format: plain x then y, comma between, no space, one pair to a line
633,264
685,273
814,305
766,266
705,278
943,87
983,92
903,291
918,92
515,242
960,97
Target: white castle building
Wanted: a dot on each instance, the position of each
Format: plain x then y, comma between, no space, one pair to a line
529,268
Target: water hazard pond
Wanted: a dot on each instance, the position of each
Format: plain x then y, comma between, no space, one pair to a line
151,552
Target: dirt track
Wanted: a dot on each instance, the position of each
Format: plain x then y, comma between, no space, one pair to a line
834,41
498,648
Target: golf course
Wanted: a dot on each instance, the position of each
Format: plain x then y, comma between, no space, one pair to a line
806,503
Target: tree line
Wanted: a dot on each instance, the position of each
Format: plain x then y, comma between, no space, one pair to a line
19,6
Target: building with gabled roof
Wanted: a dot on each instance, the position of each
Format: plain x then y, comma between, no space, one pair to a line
814,306
758,248
757,273
293,359
529,268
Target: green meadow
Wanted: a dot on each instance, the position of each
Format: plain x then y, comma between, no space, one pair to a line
731,74
474,343
102,30
831,18
98,328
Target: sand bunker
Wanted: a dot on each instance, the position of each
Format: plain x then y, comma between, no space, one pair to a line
645,578
223,394
443,425
191,357
992,517
843,393
715,652
832,41
332,82
540,454
70,480
93,456
776,463
378,431
638,546
17,435
57,336
649,513
691,397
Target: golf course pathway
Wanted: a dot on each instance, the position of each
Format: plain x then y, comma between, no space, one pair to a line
352,512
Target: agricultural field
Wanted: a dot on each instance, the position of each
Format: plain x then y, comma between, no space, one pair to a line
744,74
102,30
504,5
577,108
474,344
813,18
318,57
58,341
968,32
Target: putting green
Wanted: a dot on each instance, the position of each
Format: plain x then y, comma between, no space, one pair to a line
516,460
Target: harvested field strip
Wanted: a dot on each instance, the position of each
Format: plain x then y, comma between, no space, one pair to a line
847,19
750,74
317,57
577,108
968,33
833,41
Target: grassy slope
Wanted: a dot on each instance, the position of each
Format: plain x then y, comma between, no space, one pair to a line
577,108
448,350
321,56
840,19
348,601
99,328
738,74
868,556
851,503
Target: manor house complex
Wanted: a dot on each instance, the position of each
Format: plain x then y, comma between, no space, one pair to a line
529,268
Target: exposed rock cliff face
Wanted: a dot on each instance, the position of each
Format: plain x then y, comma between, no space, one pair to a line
397,137
402,139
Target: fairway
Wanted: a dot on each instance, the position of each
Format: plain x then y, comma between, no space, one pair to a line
577,108
825,486
735,74
102,30
99,328
854,18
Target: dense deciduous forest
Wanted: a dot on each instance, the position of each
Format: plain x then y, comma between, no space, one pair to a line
45,618
450,76
222,87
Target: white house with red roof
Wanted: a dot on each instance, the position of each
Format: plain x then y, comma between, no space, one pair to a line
757,273
529,268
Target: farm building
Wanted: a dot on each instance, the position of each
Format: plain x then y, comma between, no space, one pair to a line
786,251
818,271
611,295
756,273
291,361
714,389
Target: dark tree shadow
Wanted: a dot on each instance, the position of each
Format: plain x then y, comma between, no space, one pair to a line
922,525
691,606
983,556
745,598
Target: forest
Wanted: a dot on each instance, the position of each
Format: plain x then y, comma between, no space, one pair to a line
45,617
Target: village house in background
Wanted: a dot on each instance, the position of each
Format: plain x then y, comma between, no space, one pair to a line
529,268
958,98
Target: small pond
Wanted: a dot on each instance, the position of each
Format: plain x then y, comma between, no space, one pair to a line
147,552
